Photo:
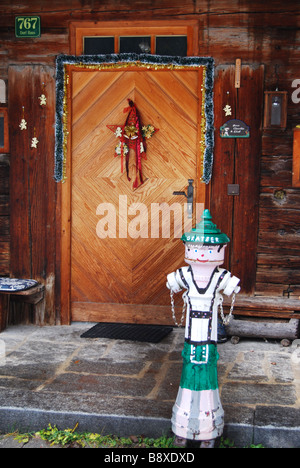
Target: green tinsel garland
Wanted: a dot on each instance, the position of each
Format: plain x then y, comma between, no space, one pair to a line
63,60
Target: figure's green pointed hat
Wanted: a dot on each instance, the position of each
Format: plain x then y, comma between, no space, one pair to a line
206,232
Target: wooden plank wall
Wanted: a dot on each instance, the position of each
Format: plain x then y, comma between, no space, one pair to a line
258,32
4,215
33,192
237,161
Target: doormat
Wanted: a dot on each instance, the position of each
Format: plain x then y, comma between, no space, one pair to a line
128,331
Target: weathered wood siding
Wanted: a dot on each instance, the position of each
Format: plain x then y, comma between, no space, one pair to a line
4,215
33,192
237,161
260,33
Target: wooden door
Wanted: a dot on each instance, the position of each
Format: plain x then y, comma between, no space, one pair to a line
122,277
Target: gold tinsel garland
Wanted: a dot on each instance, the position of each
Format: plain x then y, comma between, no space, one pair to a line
65,124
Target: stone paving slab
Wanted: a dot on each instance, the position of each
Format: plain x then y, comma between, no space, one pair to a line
51,375
9,441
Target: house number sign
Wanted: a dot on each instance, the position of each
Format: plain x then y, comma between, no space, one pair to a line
28,26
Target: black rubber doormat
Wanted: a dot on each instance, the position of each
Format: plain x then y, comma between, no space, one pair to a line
128,331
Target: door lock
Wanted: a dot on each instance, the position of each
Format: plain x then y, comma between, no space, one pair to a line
189,196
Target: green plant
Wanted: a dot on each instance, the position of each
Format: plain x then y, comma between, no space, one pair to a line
68,436
60,437
71,438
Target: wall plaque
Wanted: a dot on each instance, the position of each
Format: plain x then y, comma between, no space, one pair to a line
235,129
28,26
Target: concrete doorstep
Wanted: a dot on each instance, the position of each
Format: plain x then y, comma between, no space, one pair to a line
51,375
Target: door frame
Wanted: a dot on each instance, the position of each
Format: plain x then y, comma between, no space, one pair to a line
81,29
63,165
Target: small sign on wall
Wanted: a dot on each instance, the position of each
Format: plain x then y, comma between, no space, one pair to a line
28,26
235,129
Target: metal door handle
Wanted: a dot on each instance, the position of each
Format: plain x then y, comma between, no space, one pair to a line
189,196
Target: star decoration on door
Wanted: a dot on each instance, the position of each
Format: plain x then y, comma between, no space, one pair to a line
132,135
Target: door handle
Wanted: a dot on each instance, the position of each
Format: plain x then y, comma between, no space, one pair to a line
189,196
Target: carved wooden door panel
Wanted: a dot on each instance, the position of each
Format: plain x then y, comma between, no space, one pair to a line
122,277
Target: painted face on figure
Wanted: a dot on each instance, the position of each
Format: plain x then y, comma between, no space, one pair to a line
199,254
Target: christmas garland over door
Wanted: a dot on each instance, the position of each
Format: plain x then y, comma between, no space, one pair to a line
156,62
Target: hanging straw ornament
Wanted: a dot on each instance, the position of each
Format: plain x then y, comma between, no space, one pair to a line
23,123
34,141
42,97
227,109
43,100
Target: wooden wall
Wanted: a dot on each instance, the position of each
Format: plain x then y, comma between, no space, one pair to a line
237,161
4,215
260,33
33,192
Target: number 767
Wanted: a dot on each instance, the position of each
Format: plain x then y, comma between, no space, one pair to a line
28,23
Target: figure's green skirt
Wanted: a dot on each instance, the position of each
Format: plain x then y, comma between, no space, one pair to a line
199,370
